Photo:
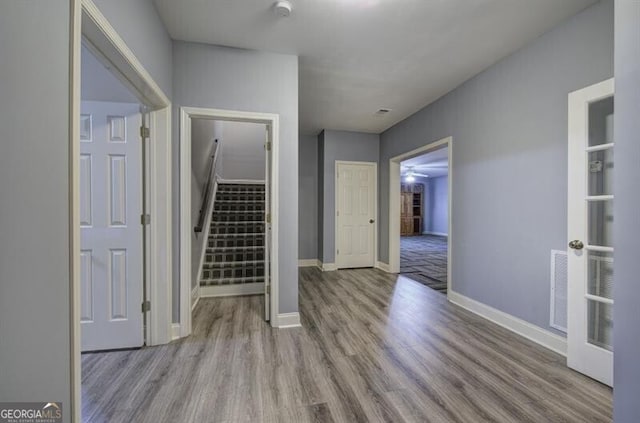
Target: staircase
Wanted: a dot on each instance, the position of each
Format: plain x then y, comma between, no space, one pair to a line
235,247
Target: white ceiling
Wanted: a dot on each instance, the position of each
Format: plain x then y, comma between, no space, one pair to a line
434,164
357,56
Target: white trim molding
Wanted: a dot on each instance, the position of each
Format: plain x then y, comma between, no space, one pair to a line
242,181
327,267
309,263
91,28
532,332
383,266
195,296
109,48
288,320
394,203
232,290
175,331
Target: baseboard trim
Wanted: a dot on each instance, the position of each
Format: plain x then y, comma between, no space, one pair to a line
195,297
327,267
175,331
383,266
532,332
436,233
232,290
242,181
288,320
309,263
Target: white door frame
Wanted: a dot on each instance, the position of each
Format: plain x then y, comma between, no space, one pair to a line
394,203
90,25
186,114
375,208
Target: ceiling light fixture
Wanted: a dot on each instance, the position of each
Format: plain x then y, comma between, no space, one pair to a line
410,178
283,8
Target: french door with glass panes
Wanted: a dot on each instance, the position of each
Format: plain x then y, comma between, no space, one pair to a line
590,219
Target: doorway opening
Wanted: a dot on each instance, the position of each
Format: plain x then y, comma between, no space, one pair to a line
112,244
228,208
114,65
424,218
420,224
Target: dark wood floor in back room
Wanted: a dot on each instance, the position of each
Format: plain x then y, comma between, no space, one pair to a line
373,347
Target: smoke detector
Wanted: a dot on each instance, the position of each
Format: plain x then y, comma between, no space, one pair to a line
283,8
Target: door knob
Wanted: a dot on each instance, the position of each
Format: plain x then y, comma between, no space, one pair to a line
576,244
371,220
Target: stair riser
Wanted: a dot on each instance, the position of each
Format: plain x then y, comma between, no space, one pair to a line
237,217
236,229
249,241
241,187
233,273
239,208
235,256
248,198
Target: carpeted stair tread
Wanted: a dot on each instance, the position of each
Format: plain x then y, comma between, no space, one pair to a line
235,247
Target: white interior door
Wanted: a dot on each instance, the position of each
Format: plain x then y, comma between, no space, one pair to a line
355,214
590,212
267,226
111,232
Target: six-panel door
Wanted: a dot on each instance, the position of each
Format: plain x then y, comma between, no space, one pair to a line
111,232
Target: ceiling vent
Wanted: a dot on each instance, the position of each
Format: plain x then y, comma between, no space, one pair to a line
382,112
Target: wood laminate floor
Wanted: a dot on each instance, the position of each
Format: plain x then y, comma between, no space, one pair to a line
373,347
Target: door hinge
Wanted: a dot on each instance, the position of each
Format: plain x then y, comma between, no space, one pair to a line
338,252
268,218
145,219
146,306
268,289
144,132
267,146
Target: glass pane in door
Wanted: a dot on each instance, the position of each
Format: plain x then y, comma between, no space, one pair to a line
600,223
600,170
600,321
601,122
600,274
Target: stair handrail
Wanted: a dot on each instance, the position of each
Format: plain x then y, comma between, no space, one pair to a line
207,193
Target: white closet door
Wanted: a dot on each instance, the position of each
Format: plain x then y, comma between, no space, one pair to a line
111,231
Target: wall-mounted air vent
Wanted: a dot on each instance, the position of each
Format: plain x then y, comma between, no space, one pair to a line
559,290
382,112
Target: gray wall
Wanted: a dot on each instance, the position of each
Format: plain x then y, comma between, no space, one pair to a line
203,134
98,84
340,145
308,197
509,128
139,25
242,154
227,78
438,206
35,348
34,207
626,225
